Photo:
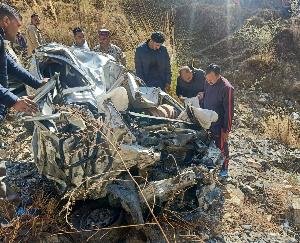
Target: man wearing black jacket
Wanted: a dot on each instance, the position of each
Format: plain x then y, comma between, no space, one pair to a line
152,62
190,83
10,22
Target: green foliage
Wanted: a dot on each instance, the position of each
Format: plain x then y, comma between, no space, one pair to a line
259,37
175,70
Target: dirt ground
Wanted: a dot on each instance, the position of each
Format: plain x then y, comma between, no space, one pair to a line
264,172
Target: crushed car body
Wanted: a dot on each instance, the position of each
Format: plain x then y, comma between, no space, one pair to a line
100,128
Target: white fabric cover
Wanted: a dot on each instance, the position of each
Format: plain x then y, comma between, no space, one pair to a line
194,101
118,97
205,117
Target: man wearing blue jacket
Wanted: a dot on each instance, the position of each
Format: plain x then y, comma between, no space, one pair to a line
190,83
10,22
152,62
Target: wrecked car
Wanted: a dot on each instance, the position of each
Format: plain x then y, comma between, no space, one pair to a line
101,134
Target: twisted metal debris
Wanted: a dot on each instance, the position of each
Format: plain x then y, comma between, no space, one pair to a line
99,138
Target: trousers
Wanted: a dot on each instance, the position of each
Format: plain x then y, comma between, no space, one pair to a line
222,144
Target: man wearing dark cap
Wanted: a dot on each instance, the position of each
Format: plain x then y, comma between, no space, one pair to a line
218,96
34,34
152,62
105,46
190,83
10,22
79,39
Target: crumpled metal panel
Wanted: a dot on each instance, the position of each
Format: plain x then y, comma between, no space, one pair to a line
88,158
162,190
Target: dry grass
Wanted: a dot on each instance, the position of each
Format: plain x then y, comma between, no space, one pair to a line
264,215
59,17
27,227
248,214
284,129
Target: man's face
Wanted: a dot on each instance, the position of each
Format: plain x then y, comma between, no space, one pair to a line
212,77
104,39
154,45
11,27
36,20
79,38
186,75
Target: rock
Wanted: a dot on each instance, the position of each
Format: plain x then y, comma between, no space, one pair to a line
247,227
210,197
295,87
265,165
296,116
262,101
295,211
235,196
227,216
248,189
23,178
254,164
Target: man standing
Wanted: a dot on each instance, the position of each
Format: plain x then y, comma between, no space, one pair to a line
152,62
10,22
21,41
79,38
218,96
34,35
105,46
190,83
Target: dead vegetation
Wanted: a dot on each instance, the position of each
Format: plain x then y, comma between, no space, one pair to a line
267,59
43,217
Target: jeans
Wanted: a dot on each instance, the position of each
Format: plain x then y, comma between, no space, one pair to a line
222,144
3,112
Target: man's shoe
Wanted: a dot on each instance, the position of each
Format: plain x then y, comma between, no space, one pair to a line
224,173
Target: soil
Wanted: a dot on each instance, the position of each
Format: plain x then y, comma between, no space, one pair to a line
264,173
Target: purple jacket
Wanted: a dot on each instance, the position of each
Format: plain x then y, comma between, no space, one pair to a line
219,97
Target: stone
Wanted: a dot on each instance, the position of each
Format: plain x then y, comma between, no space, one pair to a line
296,116
247,227
254,164
295,87
265,165
262,101
248,189
295,211
269,217
235,196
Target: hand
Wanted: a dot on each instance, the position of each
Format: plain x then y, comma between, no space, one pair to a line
200,95
181,98
25,104
168,88
44,81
